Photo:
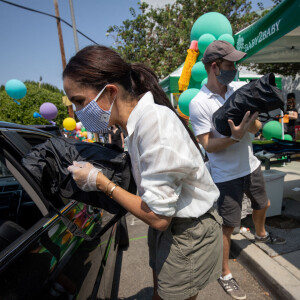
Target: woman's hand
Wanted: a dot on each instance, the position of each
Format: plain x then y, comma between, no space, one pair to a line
85,175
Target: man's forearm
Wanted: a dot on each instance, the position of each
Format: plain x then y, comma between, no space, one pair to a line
216,144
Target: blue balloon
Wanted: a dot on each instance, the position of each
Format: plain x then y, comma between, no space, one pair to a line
15,89
36,115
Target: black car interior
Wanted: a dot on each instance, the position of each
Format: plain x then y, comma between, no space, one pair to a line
18,212
15,203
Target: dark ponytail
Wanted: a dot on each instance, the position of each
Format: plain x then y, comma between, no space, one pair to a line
96,66
144,80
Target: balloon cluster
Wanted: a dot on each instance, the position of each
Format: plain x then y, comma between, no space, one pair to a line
208,28
77,131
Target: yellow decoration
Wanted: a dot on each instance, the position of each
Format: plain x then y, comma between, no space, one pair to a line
185,76
66,101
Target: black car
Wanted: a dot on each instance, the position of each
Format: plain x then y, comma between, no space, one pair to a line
40,258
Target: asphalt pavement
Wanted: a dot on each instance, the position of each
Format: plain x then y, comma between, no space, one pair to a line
277,266
263,272
133,280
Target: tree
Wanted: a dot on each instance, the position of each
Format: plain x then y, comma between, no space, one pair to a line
160,37
35,97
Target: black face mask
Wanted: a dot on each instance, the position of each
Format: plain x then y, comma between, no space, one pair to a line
226,76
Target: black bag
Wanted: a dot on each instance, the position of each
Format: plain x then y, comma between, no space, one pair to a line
48,163
259,95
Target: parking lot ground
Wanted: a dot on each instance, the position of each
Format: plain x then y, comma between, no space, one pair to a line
133,280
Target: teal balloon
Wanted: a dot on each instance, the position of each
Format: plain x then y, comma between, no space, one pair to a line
227,37
194,84
15,89
288,137
271,130
198,71
185,99
204,40
204,81
199,58
213,23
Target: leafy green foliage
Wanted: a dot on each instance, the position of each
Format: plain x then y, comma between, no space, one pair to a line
35,97
159,37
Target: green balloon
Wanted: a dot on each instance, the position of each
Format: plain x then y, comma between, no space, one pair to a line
185,99
213,23
272,129
204,81
83,129
204,41
198,71
199,58
194,84
227,37
288,137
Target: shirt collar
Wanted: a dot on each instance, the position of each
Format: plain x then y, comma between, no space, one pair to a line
210,94
137,112
207,91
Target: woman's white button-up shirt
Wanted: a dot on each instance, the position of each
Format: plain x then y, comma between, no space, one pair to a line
167,166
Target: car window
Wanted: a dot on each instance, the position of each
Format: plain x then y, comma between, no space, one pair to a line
4,172
34,139
15,203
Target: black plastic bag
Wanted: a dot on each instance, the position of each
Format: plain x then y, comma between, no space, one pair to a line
259,95
48,163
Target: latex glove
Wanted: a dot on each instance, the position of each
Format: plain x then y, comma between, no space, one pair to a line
85,175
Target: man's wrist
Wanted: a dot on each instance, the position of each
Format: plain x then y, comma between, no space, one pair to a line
235,139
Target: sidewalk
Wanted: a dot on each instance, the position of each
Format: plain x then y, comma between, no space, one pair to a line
277,267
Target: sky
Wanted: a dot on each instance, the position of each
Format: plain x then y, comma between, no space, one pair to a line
29,45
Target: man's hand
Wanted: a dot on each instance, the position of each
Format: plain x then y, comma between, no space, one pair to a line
256,125
248,121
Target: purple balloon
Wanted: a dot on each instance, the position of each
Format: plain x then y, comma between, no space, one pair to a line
48,111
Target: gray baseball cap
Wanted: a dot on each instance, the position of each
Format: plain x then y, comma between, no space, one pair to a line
221,49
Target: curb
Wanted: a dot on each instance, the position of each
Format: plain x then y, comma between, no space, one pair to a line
279,281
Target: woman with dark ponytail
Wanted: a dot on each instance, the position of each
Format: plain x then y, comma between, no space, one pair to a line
175,191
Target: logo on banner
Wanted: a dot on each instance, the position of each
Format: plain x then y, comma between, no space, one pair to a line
240,43
242,46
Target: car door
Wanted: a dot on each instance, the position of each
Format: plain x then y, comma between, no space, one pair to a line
41,258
